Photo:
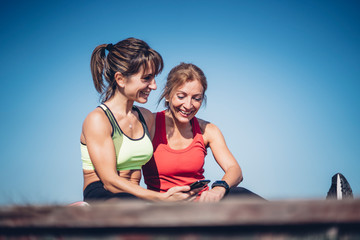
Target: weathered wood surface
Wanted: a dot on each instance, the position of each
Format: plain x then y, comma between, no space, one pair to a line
230,218
141,214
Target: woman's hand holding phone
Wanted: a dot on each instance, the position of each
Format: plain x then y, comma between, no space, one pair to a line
199,184
196,187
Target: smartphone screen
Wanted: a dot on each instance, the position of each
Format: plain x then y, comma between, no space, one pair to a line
199,184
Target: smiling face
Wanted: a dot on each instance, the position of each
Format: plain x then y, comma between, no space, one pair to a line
137,87
186,100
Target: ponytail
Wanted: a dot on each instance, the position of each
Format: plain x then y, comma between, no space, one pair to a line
97,64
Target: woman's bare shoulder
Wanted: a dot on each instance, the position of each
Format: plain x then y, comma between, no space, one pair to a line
95,116
96,120
144,111
148,115
205,125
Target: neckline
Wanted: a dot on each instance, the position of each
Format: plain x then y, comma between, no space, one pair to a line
117,124
194,139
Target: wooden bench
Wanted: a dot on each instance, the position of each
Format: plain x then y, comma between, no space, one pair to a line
233,218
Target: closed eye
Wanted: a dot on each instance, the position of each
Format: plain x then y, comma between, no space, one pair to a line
198,99
148,77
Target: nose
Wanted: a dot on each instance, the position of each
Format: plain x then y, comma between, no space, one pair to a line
188,103
153,85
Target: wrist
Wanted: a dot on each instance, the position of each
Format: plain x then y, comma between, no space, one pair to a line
222,184
219,190
161,196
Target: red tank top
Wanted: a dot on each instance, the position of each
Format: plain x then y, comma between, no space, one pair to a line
169,167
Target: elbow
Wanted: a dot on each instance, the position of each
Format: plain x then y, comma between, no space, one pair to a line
238,180
110,186
241,178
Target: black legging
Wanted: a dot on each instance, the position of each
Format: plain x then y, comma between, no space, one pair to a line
95,191
243,193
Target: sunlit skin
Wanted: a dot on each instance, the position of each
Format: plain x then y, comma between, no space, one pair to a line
97,130
184,103
137,87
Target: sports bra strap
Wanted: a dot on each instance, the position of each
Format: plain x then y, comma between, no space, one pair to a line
142,120
111,118
114,123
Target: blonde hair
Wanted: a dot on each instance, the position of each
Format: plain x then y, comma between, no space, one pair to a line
180,74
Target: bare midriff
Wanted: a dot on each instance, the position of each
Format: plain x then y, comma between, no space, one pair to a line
132,176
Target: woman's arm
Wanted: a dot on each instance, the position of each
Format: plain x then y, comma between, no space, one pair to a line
97,134
233,174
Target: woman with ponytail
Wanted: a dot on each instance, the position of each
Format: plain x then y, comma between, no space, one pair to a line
115,140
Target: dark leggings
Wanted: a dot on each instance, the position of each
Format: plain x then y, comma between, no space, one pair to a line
95,192
241,192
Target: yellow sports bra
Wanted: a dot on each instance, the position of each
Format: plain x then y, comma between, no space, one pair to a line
131,153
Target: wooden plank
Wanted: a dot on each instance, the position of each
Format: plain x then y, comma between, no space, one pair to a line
232,212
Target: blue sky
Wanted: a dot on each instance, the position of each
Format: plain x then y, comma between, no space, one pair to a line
283,87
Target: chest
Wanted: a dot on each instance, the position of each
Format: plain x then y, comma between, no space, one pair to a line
179,140
185,161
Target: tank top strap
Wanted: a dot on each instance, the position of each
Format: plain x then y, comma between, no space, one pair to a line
160,133
112,119
142,120
195,126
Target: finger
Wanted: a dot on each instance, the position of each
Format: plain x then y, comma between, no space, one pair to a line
185,188
181,188
178,189
182,195
204,196
187,196
192,198
194,192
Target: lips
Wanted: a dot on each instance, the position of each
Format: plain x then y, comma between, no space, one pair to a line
145,93
185,113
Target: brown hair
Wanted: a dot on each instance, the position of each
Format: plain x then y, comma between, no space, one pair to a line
180,74
126,57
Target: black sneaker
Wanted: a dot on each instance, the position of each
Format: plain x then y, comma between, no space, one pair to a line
340,188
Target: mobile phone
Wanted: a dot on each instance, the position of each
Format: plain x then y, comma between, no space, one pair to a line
199,184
